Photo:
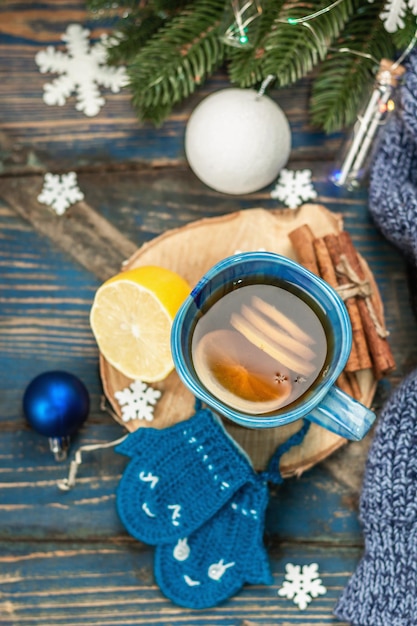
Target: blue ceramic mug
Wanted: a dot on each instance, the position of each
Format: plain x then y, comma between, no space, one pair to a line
322,402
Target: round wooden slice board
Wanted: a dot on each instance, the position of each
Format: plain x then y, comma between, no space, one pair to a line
191,251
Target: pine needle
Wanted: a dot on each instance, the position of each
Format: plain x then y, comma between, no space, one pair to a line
171,47
345,79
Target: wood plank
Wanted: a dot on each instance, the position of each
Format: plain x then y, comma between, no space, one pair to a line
45,298
44,308
112,584
65,558
311,508
37,137
123,210
141,205
83,233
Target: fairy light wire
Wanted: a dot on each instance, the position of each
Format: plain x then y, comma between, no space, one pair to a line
354,160
306,18
312,16
241,23
406,52
368,124
321,43
358,53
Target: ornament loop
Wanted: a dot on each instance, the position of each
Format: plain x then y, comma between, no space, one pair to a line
68,483
59,447
265,84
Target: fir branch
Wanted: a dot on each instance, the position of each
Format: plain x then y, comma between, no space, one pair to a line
114,7
172,46
403,36
133,22
292,50
345,78
131,36
178,58
244,68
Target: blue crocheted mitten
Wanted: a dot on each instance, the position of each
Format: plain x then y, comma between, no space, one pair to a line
178,477
211,564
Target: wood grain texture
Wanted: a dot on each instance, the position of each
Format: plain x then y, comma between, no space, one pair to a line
82,232
191,251
115,135
112,584
65,558
32,506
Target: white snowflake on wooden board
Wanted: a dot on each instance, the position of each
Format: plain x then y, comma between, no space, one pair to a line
394,12
60,192
302,584
82,70
137,401
294,187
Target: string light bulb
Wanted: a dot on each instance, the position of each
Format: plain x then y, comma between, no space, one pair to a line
239,26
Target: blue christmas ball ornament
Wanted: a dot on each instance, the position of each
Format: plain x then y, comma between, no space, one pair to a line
56,404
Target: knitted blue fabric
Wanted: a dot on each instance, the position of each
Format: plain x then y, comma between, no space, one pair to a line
383,589
191,491
214,562
393,176
179,477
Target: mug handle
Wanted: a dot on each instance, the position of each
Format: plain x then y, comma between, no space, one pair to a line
343,415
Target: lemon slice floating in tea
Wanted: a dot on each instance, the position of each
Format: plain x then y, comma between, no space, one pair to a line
131,319
240,374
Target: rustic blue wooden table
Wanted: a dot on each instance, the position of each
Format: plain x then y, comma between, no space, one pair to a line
65,558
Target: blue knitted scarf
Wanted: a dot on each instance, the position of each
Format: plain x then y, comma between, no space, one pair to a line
383,589
393,177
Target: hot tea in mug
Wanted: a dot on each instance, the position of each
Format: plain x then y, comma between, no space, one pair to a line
262,341
259,347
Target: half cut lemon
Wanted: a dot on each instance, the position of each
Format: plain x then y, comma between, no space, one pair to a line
131,319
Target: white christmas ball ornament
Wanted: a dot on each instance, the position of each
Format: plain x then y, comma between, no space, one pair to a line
237,141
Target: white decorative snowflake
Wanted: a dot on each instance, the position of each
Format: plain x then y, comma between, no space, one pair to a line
302,584
394,12
137,401
294,187
59,192
81,70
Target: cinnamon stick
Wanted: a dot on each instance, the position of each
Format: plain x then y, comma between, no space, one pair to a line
370,348
312,251
343,383
324,262
361,358
356,390
302,240
383,360
328,273
348,382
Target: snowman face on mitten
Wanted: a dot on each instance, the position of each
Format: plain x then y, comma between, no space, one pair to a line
178,478
215,561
